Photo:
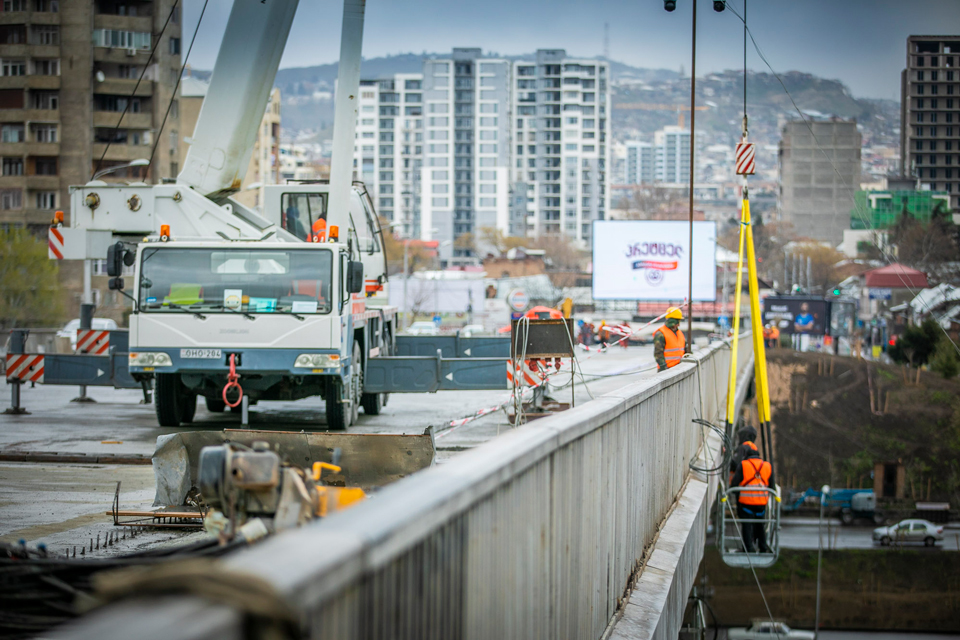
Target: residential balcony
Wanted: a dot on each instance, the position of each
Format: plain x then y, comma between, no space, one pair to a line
130,120
121,56
43,183
29,17
124,87
27,148
120,151
13,182
27,215
29,82
30,50
123,23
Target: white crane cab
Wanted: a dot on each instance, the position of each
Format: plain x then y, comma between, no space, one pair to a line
302,209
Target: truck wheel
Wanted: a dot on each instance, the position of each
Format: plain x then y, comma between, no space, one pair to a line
846,517
214,405
878,518
188,406
166,399
372,403
338,411
356,383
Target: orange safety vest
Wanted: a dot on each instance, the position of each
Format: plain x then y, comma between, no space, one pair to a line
319,230
774,333
757,475
674,347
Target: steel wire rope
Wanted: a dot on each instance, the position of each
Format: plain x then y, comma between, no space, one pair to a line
173,96
137,86
753,570
856,207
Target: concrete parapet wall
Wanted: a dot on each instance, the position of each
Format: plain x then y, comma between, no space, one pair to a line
534,534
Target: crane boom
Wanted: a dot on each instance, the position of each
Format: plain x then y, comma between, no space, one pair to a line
233,108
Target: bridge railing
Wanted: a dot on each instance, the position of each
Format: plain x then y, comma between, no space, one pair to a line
534,534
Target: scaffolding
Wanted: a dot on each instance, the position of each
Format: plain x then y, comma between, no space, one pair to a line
882,209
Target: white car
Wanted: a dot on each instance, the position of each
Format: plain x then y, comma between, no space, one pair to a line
767,629
471,330
423,328
909,531
70,329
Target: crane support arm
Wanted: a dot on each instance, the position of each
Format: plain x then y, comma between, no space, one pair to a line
233,108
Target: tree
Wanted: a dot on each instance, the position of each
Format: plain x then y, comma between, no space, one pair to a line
917,344
561,253
944,360
929,247
418,256
823,265
29,286
656,202
498,241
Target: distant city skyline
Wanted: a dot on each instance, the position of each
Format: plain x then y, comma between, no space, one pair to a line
859,42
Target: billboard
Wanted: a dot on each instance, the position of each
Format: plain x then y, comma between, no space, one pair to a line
649,260
797,314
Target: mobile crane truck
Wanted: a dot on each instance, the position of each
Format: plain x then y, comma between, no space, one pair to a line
237,306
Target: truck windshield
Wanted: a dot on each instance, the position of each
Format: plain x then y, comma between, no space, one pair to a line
226,280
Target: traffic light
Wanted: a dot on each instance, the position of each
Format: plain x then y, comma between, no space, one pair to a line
836,292
669,5
719,5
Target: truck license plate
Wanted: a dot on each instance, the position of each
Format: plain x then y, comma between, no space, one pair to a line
206,354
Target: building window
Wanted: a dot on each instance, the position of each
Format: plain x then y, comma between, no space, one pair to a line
15,5
174,46
46,67
45,34
11,199
45,100
440,202
117,39
43,132
14,68
46,200
12,133
13,166
45,166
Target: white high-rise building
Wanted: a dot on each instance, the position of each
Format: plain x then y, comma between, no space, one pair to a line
474,144
561,153
640,163
388,154
672,155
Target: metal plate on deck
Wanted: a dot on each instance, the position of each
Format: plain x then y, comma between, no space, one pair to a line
367,460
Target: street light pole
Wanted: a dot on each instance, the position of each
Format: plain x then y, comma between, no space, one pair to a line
693,118
824,491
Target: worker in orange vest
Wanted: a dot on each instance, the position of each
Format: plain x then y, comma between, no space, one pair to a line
774,336
669,343
319,230
752,505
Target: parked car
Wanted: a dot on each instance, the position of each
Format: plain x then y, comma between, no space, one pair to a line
423,328
471,330
909,531
766,629
69,330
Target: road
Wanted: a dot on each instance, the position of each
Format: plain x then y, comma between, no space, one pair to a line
801,533
64,504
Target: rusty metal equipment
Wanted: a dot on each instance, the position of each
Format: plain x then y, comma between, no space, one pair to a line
367,461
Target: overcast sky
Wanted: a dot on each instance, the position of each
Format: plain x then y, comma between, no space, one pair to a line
860,42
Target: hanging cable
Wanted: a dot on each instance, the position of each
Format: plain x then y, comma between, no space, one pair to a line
137,86
173,96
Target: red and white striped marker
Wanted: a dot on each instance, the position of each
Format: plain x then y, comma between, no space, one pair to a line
93,341
746,158
55,244
529,374
25,367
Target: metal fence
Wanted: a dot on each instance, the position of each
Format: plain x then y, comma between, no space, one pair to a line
534,534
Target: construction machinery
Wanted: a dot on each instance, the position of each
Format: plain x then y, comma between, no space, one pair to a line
650,106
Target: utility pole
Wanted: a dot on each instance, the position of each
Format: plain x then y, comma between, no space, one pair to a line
693,120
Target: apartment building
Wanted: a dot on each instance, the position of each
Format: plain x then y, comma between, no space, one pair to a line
672,155
388,155
68,71
640,167
930,114
561,128
819,175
